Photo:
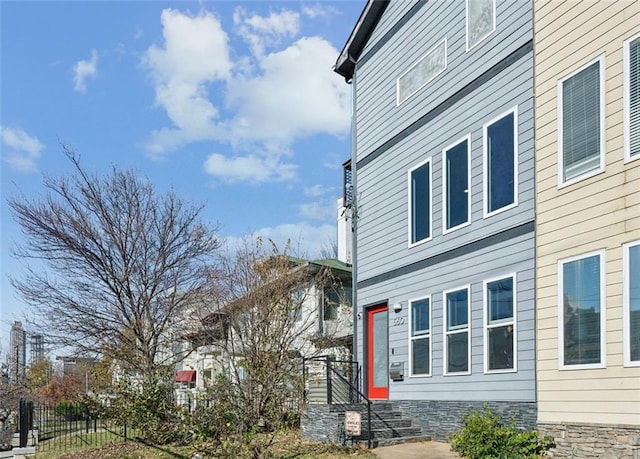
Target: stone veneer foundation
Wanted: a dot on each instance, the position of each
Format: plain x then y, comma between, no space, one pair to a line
577,440
438,419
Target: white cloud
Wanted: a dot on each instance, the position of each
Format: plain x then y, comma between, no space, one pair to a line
319,11
318,210
83,70
271,100
248,168
323,206
295,95
20,149
317,191
262,32
305,239
194,54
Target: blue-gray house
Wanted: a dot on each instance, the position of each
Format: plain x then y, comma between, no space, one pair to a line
442,171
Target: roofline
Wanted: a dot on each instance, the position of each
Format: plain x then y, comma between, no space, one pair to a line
346,63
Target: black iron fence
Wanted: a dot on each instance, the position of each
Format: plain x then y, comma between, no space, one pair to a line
68,425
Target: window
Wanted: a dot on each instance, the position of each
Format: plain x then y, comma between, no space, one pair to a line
632,98
298,298
500,163
581,123
500,324
420,339
420,203
581,313
455,185
422,72
631,255
457,340
347,184
332,300
481,21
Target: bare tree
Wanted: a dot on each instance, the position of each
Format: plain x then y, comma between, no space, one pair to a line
271,319
118,262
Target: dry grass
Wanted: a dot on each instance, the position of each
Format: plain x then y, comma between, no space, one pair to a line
285,446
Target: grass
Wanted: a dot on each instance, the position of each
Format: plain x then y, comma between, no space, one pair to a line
286,446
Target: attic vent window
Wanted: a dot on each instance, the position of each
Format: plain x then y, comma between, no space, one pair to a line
433,63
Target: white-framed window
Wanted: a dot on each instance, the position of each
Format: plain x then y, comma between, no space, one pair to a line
500,162
456,185
632,98
631,302
457,332
581,311
419,187
500,343
420,336
581,123
480,20
429,66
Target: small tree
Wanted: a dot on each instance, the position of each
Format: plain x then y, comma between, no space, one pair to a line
120,263
272,312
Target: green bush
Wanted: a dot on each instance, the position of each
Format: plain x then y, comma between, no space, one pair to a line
483,437
70,411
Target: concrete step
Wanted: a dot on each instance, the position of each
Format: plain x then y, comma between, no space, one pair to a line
383,423
400,440
383,433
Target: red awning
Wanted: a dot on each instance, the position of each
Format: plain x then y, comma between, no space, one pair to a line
185,376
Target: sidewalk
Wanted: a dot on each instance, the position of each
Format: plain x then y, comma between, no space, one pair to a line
420,450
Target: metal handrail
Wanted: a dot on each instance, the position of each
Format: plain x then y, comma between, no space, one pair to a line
360,394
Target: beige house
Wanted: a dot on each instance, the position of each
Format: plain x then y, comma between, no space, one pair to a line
587,88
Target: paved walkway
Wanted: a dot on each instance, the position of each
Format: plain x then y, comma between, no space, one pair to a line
420,450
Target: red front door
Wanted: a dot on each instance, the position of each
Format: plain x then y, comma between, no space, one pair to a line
377,352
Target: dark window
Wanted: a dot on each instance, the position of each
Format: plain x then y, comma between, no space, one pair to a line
501,154
456,179
581,311
421,202
457,331
420,337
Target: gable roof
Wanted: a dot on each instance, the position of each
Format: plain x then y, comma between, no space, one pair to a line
346,63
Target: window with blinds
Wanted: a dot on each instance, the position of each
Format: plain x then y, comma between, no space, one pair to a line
632,97
581,122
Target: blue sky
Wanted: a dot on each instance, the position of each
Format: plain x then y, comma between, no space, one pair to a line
232,104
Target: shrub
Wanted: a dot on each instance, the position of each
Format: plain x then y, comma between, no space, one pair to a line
70,411
483,437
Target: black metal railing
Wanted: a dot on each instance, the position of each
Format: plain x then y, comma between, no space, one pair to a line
71,425
361,397
335,372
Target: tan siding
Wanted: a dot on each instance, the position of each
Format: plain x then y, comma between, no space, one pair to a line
601,212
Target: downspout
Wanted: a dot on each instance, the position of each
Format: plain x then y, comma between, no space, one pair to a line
354,219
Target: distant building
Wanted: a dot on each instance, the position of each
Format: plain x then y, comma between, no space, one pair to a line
17,352
79,368
37,348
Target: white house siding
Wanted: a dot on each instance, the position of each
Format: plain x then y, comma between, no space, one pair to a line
599,213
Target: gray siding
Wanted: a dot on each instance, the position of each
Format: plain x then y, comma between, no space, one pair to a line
514,256
382,190
378,117
392,14
382,184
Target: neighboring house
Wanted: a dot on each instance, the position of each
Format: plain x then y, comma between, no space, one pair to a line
321,324
587,77
443,196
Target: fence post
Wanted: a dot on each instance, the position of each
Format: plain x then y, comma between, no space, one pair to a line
329,388
23,423
125,430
